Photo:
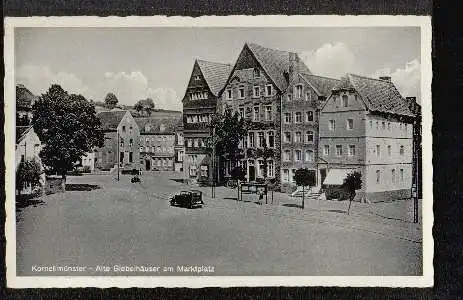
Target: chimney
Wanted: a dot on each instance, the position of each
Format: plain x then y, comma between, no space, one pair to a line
386,78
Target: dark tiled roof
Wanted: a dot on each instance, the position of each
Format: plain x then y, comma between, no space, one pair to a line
21,132
216,74
323,85
276,63
24,97
170,125
378,95
111,119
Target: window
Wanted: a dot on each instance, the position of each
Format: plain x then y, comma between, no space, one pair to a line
287,118
241,92
298,117
271,139
123,128
287,155
141,148
383,125
268,90
297,155
147,140
289,97
285,175
393,175
378,150
196,143
298,137
338,150
308,96
293,172
401,175
130,129
241,112
268,113
122,142
309,155
326,150
298,91
260,170
389,150
261,139
309,136
131,142
351,151
193,170
256,73
345,101
256,113
309,116
378,176
256,91
130,157
189,143
402,150
229,94
270,168
287,137
331,125
251,139
350,124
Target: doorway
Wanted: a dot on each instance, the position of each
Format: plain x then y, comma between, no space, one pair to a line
251,171
322,176
148,164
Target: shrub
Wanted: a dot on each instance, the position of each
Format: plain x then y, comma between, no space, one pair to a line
28,173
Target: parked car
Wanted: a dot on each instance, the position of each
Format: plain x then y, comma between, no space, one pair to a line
188,199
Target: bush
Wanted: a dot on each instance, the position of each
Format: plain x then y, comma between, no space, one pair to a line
86,169
28,173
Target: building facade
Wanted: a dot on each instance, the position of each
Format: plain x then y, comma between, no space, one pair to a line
199,104
179,147
121,142
366,126
254,90
299,126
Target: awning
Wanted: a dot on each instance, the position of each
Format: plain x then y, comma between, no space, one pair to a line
337,176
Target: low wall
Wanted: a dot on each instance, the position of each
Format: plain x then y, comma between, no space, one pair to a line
388,196
54,185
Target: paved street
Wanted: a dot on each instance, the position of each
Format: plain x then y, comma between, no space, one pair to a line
102,222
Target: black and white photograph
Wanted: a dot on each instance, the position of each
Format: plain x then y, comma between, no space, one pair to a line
221,151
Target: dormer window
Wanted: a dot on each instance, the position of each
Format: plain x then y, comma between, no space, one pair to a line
298,91
268,90
228,94
345,101
256,73
241,92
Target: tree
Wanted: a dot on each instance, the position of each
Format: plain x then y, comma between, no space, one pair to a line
138,106
111,100
352,182
229,129
304,177
28,173
68,127
148,106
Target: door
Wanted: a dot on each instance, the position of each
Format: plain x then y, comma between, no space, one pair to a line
322,176
148,164
252,173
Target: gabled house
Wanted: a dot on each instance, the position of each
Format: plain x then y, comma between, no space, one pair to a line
199,104
366,125
305,94
24,102
121,141
254,89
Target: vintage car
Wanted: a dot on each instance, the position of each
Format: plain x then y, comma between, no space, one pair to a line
188,199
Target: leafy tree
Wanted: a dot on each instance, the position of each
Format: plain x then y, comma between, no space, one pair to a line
68,127
138,106
304,177
148,106
28,173
352,182
111,100
229,128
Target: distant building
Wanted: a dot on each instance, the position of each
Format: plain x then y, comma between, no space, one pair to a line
299,127
28,144
157,143
199,104
254,89
366,125
89,161
121,141
24,102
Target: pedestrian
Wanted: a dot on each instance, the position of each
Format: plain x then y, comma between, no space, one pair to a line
260,192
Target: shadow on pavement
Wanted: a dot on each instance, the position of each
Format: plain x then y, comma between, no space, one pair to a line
292,205
338,211
179,180
24,201
82,187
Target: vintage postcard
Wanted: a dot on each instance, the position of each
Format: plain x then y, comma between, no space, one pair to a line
218,151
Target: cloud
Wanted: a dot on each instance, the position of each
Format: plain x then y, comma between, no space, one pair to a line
39,78
407,79
129,87
333,60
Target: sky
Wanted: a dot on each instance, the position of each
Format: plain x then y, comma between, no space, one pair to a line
136,63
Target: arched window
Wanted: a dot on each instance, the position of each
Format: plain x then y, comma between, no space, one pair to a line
309,136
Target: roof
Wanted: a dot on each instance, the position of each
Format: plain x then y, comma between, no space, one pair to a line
111,119
377,94
21,132
322,85
336,176
215,74
170,125
276,63
24,97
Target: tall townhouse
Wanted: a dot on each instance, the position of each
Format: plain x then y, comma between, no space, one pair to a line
121,141
179,147
254,89
157,142
299,129
199,104
366,125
